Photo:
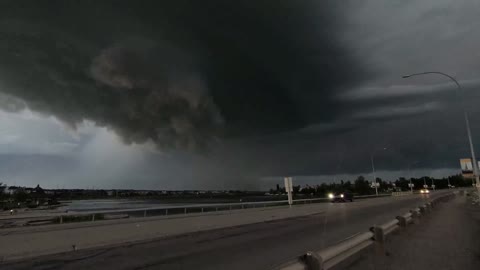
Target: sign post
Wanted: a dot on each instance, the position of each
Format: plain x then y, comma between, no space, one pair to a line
467,167
468,171
411,185
289,189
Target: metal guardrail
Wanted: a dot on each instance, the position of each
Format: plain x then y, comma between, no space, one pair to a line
162,211
174,210
377,236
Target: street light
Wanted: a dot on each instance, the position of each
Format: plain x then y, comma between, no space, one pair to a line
465,114
373,171
410,184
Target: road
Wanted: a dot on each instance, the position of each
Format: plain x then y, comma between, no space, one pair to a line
255,246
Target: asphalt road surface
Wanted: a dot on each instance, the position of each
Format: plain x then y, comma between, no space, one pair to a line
255,246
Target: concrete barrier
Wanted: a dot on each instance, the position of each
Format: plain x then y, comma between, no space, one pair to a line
329,257
416,212
385,229
405,219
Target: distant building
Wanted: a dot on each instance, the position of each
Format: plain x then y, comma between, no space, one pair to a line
11,190
49,191
38,190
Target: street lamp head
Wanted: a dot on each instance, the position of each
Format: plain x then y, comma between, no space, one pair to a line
406,76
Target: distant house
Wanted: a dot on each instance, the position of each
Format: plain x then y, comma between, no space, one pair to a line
11,190
38,190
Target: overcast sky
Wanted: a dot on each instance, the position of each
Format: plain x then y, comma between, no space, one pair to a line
233,94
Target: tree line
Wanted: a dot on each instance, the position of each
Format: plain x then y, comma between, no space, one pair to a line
362,186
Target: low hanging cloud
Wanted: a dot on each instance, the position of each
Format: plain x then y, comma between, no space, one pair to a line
407,90
269,87
397,111
181,74
176,101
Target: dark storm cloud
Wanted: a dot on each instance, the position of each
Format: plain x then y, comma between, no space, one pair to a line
179,73
296,87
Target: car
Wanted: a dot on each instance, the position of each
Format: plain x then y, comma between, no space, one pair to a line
424,191
340,197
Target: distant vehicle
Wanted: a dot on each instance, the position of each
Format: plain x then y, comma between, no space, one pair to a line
424,191
340,197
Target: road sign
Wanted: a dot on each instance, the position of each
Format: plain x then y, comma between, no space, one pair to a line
288,184
467,168
425,186
411,185
289,189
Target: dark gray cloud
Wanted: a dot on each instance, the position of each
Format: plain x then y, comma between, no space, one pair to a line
179,73
270,88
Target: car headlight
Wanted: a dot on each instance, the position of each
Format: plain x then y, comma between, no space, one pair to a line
427,191
341,195
422,191
330,195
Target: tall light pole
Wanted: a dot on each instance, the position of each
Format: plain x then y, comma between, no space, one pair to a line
465,114
373,172
410,184
374,177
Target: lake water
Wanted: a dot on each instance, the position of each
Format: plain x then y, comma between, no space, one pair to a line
101,205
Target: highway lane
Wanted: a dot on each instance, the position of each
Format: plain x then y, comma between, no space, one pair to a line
255,246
